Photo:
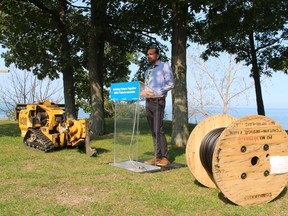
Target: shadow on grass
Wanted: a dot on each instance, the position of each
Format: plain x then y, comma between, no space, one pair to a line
175,152
80,150
9,129
225,199
99,151
221,196
199,184
102,151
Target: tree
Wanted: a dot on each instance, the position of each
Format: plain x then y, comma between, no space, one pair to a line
49,37
173,24
252,30
95,64
62,38
38,37
180,132
215,84
24,88
114,37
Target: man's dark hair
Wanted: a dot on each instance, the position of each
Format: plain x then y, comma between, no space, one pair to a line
155,48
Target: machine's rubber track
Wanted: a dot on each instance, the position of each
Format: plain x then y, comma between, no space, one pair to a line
35,139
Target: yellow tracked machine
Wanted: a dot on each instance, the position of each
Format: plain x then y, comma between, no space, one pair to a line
44,127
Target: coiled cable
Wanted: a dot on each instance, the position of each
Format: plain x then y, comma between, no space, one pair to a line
207,148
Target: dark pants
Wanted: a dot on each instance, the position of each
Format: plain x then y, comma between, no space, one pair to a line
155,114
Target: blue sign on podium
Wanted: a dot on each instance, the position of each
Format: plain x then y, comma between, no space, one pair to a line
125,91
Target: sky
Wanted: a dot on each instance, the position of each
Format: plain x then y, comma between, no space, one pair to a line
274,91
272,87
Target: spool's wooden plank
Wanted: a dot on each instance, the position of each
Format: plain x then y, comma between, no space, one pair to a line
194,142
241,161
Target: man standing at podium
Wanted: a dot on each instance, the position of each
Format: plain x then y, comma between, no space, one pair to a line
158,81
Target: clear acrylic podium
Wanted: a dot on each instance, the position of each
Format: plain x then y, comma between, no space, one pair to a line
128,104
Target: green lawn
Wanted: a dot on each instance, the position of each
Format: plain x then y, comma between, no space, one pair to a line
67,182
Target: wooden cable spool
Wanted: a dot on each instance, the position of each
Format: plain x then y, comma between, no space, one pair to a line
249,161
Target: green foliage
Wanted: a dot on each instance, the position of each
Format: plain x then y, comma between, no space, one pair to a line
232,26
31,35
33,31
129,109
254,31
124,109
139,23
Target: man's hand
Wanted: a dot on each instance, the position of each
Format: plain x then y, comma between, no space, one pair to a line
147,94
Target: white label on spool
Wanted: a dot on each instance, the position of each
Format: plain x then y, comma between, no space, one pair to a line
279,164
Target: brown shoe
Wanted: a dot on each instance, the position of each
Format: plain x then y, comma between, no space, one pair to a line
153,161
163,162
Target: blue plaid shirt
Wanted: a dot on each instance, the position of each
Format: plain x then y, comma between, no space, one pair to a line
159,78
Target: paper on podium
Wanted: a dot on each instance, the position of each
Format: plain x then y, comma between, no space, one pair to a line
143,87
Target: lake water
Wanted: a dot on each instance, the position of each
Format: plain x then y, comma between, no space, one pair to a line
279,115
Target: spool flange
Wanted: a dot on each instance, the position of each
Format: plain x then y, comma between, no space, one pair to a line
194,142
245,177
243,165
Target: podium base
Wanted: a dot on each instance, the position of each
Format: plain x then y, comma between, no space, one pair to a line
141,167
136,166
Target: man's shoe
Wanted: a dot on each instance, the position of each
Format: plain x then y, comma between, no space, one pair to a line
163,162
153,161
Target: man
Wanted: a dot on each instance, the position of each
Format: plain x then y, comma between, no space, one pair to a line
158,80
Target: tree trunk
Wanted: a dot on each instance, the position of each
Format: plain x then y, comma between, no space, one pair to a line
69,93
95,65
180,132
67,69
256,77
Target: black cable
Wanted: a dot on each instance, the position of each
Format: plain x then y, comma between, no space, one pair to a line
207,148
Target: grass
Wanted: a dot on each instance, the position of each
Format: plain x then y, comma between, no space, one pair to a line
67,182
